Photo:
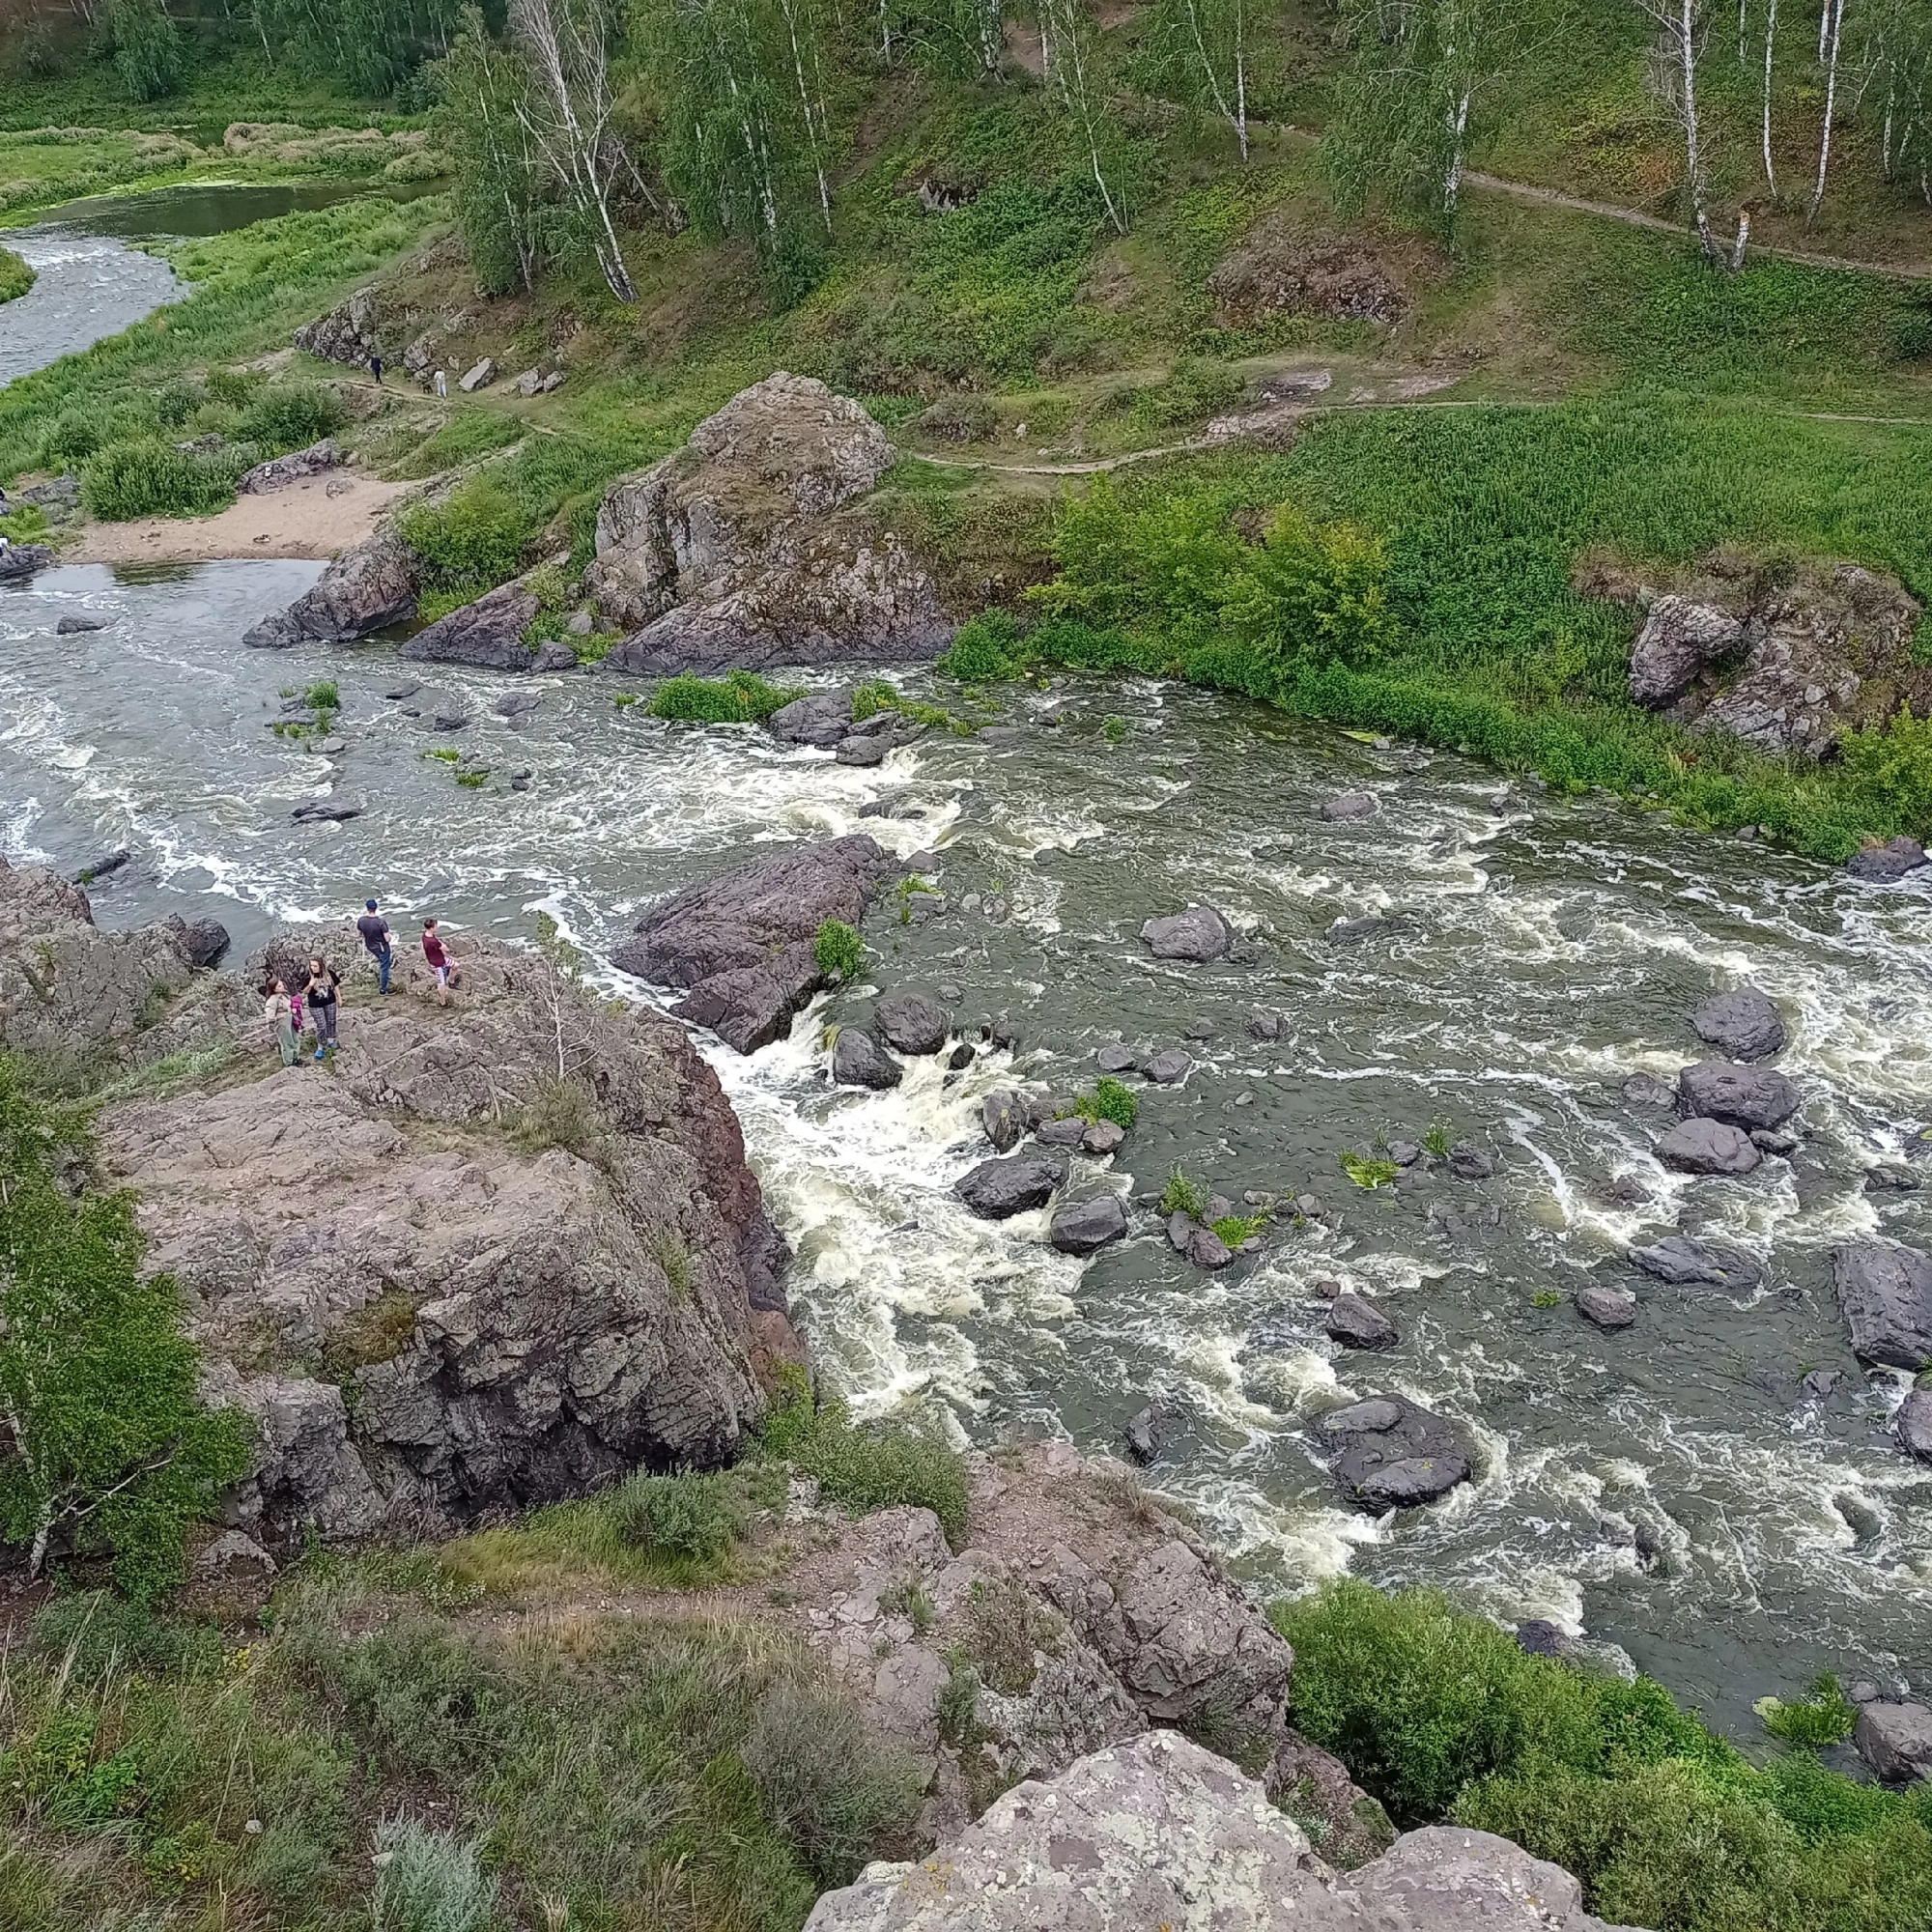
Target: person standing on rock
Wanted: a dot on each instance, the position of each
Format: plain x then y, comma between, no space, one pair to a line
322,994
375,931
277,1010
441,962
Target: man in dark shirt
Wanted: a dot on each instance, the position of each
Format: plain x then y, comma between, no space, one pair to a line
375,931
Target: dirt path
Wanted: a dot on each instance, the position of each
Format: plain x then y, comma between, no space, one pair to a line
316,517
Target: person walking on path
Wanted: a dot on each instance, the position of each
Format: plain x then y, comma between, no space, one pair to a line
441,962
376,369
375,931
322,991
278,1011
442,383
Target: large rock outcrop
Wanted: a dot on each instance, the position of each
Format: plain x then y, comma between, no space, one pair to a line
365,589
1788,657
489,634
744,945
733,551
1159,1832
350,333
1886,1291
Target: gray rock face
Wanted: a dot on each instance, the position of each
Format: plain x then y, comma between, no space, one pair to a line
1682,1259
478,376
1264,1023
1072,1132
364,589
1606,1307
20,561
1645,1089
1081,1227
280,470
1708,1147
1357,1322
1103,1137
1115,1058
1003,1114
911,1022
75,624
996,1190
1169,1066
1198,935
202,941
858,1059
1895,1739
1742,1024
487,634
1882,865
1678,640
1349,805
1886,1292
1469,1162
744,945
1152,1427
1158,1833
821,718
1747,1097
732,550
350,333
1913,1425
1389,1452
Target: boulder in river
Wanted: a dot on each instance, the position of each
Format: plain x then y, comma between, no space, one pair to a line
1682,1258
1742,1024
739,550
1349,805
858,1059
78,621
1469,1162
1708,1147
910,1022
1647,1089
1102,1137
1115,1058
1886,1292
1081,1227
996,1190
1151,1427
1356,931
1882,865
1912,1424
1198,935
1357,1322
1391,1453
1894,1737
1167,1067
1746,1097
20,561
1607,1307
820,718
744,943
365,588
1003,1114
488,632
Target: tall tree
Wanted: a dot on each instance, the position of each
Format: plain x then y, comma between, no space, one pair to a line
1203,46
1680,29
1075,76
1832,42
481,123
148,51
1897,56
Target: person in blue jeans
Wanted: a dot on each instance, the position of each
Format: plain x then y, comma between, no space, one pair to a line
375,931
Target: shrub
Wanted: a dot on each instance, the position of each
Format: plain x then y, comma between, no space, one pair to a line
562,1113
824,1782
1109,1100
291,415
474,541
15,276
151,478
1367,1173
429,1881
102,1631
1827,1716
698,1516
840,951
1891,765
1235,1229
1181,1196
738,698
988,650
148,51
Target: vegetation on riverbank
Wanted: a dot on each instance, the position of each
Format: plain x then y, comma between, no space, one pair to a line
16,277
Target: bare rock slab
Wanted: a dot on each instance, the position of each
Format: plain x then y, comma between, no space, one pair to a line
1390,1453
996,1190
911,1022
1708,1147
1683,1259
1747,1097
365,589
1084,1227
1199,935
1886,1292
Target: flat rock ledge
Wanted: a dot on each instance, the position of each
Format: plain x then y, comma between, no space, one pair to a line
1390,1453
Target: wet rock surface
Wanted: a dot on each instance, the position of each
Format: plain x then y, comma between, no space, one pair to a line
1742,1022
911,1022
1746,1097
858,1059
1083,1227
1390,1453
1886,1291
1198,935
1708,1147
1357,1322
365,589
487,634
1682,1258
1894,1737
996,1190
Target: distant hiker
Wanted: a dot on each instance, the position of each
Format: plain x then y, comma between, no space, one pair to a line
323,985
441,962
376,369
442,383
278,1011
375,931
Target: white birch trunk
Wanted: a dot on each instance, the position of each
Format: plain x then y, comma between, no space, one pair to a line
1769,41
1836,11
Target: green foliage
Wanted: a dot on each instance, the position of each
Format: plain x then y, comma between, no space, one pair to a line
1235,1229
1827,1716
324,695
498,195
16,277
987,649
26,525
151,478
867,1465
699,1518
840,951
292,415
148,51
429,1881
112,1453
1366,1172
472,542
1181,1196
1891,767
738,698
1435,1142
1110,1100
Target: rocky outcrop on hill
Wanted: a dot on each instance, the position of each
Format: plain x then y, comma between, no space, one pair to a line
350,333
281,471
448,1281
744,945
364,589
1788,657
733,551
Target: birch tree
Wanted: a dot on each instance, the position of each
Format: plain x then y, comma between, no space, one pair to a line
1680,26
498,174
567,112
1770,43
1834,14
1204,47
1075,76
1898,57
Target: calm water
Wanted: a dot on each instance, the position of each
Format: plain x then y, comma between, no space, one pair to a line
1551,950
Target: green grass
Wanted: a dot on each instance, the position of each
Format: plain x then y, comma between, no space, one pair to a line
1368,1173
738,698
840,952
1109,1100
15,276
1182,1196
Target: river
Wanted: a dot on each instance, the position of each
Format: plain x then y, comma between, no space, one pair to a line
1552,948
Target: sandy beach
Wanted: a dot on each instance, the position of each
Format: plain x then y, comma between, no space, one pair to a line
317,517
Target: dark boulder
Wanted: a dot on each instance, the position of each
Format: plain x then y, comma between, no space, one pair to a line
1891,1177
1003,1114
744,943
1645,1089
821,719
1080,1227
858,1059
961,1056
1357,1323
1206,1249
1895,1738
1681,1258
1468,1162
910,1022
869,750
202,941
1742,1024
73,624
103,867
1606,1307
1349,805
1113,1058
1354,932
1165,1068
1162,1421
1070,1132
324,812
1708,1147
488,632
1390,1453
997,1190
1886,1291
1102,1137
19,561
278,471
364,589
1881,864
1198,935
1744,1096
1264,1023
1913,1425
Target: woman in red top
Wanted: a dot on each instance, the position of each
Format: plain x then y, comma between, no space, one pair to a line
441,962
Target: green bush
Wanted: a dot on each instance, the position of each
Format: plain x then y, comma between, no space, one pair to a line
1892,766
1368,1173
151,478
1827,1716
738,698
148,51
15,276
1109,1100
1182,1196
291,415
473,541
987,649
840,951
429,1881
698,1516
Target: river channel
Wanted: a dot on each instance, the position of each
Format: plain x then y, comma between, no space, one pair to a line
1716,1488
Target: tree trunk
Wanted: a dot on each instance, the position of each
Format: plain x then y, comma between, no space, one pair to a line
1686,46
1743,238
1459,124
1836,10
1769,41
